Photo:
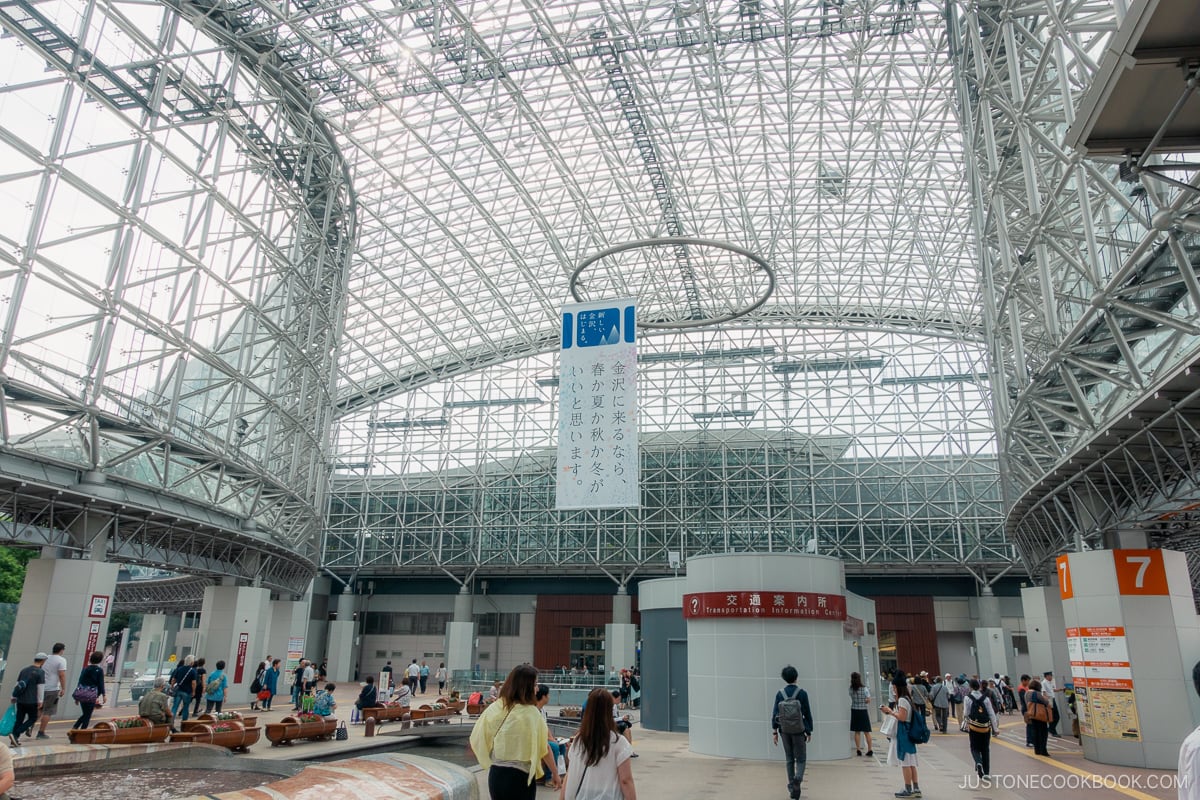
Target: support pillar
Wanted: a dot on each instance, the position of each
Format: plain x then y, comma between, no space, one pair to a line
620,637
1133,637
151,649
63,600
286,632
233,629
1046,633
171,628
342,650
460,636
991,641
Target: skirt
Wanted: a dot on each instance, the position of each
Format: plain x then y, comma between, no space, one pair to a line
860,720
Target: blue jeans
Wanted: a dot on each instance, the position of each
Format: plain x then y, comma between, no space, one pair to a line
184,699
795,755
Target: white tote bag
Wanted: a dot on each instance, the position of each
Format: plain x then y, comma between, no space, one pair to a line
889,725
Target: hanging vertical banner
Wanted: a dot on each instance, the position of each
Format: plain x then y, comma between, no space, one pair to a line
597,407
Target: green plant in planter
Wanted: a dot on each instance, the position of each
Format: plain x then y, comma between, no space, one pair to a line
222,727
227,715
129,722
303,718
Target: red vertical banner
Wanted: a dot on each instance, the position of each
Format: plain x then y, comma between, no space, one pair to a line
93,637
240,664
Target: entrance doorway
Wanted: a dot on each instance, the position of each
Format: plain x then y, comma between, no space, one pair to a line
888,662
587,648
677,685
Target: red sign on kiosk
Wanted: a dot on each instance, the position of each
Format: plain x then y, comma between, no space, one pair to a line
765,604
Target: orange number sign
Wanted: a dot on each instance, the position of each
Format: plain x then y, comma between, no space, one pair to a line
1065,589
1140,572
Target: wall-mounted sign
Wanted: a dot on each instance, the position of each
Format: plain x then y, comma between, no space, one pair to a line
98,607
1103,679
790,605
93,637
1140,572
240,663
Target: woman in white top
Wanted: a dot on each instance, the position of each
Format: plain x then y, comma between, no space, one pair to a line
599,758
901,751
440,675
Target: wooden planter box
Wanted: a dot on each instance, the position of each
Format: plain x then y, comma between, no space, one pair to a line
384,713
207,719
106,732
456,706
290,729
475,709
237,740
426,714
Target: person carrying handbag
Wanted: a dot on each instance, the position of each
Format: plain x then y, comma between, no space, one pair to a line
510,739
1038,715
89,693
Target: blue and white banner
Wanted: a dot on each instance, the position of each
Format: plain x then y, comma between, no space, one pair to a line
597,407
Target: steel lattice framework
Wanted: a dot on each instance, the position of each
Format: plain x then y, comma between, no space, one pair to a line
236,230
874,447
176,225
1090,281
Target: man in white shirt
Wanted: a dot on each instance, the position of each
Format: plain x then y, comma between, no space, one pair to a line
1189,755
414,676
56,680
309,678
1049,688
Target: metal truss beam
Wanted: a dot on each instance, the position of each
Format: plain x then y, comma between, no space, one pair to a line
1091,276
161,595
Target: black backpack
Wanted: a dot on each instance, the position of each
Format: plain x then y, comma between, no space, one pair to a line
979,720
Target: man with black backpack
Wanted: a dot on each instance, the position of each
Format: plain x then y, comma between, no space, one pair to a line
980,722
791,720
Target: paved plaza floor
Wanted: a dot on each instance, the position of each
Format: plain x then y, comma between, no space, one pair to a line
666,769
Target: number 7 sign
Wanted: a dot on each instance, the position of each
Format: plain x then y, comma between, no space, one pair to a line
1140,572
1066,590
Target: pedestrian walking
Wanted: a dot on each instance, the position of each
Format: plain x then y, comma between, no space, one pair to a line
981,724
791,721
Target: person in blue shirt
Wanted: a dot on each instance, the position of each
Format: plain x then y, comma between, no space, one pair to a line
324,704
424,675
271,684
215,688
795,743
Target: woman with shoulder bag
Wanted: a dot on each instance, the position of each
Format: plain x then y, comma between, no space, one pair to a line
509,739
1038,715
89,693
599,756
901,751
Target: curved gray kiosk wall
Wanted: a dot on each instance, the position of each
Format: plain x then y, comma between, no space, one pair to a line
747,616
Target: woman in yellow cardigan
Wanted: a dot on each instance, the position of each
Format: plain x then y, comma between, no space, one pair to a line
509,739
